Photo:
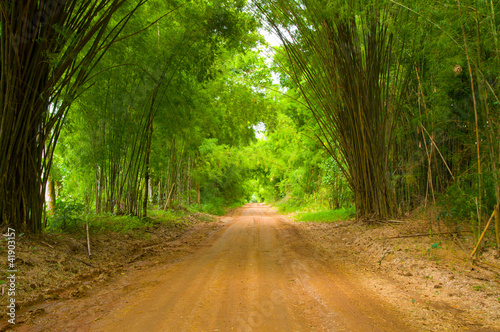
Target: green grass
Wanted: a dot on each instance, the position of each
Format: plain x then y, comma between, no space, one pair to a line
286,207
167,216
125,224
326,216
216,207
105,222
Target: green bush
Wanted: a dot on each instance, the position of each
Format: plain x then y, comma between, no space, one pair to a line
458,203
66,216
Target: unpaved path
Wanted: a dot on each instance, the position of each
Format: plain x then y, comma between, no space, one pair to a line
256,274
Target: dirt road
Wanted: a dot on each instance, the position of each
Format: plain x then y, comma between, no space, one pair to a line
256,274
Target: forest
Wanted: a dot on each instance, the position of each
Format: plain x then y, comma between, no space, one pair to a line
260,165
123,111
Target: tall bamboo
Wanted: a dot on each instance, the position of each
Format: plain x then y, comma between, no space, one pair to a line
48,49
346,68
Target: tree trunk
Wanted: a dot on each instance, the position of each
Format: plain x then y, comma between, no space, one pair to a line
497,220
198,194
52,197
148,153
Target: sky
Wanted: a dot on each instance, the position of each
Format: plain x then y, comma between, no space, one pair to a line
273,40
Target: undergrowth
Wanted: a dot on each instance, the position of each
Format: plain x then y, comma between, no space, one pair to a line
70,218
345,213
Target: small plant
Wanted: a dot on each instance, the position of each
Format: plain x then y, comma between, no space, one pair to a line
66,217
478,288
436,245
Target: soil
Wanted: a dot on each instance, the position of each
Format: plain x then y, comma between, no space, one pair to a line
254,270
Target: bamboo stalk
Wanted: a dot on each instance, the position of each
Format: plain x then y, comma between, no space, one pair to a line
475,115
343,68
168,197
88,239
497,225
486,263
29,84
482,235
424,234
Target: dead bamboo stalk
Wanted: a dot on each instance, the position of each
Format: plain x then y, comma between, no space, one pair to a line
424,234
76,259
482,235
479,176
88,239
429,155
497,225
48,245
486,263
168,198
444,160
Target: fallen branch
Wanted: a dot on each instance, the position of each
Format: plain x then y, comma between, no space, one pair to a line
47,244
385,253
425,234
476,260
154,245
78,259
136,258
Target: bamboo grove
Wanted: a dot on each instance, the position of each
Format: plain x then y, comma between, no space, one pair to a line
343,67
125,107
405,95
48,50
57,53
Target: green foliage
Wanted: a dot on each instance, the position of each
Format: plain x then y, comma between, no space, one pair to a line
221,174
67,216
70,218
291,168
157,101
193,86
459,200
342,214
119,224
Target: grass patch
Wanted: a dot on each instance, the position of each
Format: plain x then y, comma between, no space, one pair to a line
285,207
65,222
167,216
120,224
126,224
326,216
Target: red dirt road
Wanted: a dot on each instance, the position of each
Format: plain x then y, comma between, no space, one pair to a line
257,274
256,277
